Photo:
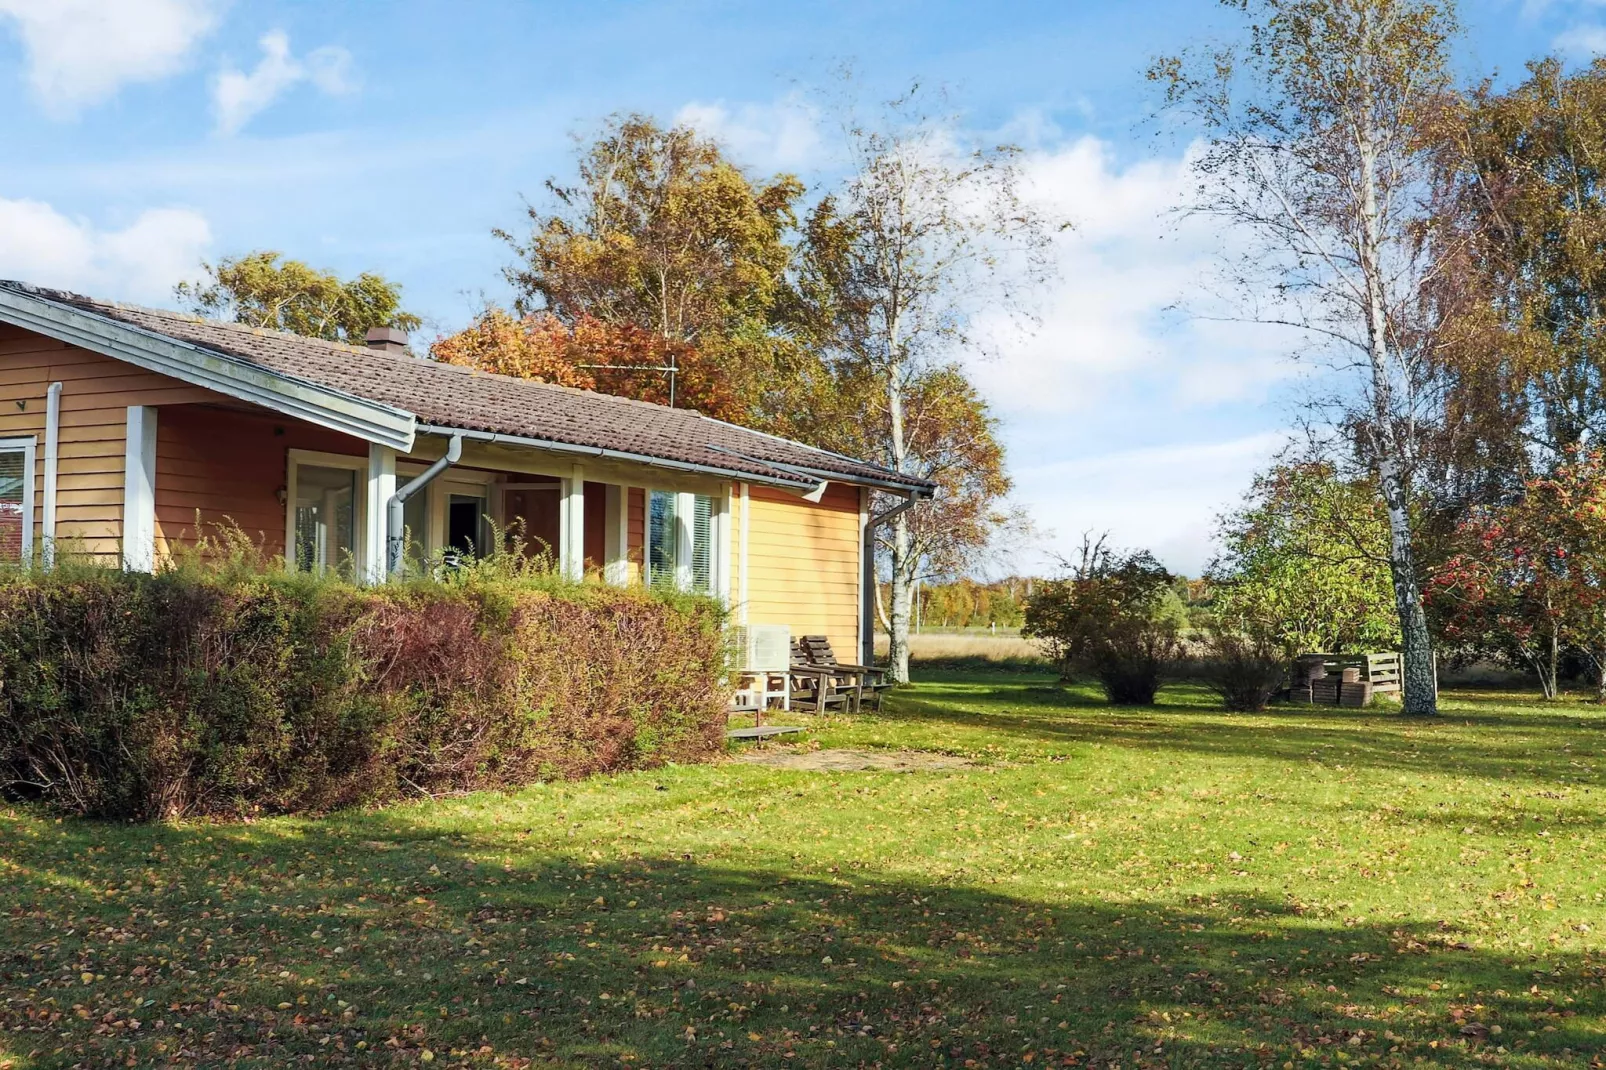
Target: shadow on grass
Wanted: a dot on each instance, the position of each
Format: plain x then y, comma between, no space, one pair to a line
373,938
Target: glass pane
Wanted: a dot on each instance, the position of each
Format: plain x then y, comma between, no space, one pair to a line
661,538
702,544
12,474
326,517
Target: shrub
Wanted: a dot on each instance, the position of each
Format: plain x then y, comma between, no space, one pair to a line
1244,671
233,691
1108,620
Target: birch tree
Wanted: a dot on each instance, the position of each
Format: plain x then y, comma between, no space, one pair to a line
922,235
1314,153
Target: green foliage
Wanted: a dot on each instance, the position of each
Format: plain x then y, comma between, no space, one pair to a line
1109,620
231,691
1304,564
260,290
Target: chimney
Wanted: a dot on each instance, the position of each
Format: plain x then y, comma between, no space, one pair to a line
387,339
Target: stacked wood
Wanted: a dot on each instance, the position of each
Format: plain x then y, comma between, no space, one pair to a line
1354,693
1342,680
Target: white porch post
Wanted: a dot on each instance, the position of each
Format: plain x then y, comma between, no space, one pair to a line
744,529
721,534
139,490
617,536
572,525
381,485
685,511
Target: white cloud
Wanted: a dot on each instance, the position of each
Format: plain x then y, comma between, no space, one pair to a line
1161,498
237,97
1109,321
782,135
1581,42
140,262
80,52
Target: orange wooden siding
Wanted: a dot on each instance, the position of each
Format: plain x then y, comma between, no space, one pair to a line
96,393
803,564
636,532
226,465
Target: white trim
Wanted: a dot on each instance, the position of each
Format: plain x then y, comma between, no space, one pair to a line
720,531
685,543
741,556
616,544
47,520
210,369
866,575
139,490
572,525
27,445
359,524
381,486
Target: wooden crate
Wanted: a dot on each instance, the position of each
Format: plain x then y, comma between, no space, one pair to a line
1382,671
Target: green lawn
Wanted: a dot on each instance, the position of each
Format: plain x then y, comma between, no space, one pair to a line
1157,887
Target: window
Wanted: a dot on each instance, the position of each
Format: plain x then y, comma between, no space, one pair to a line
682,541
663,538
16,500
325,517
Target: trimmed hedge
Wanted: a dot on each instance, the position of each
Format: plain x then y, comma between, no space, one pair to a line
231,693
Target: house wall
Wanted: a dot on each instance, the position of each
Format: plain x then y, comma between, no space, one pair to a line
227,465
803,564
802,559
96,393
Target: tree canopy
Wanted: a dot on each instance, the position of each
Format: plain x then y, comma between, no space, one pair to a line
659,232
1304,563
260,289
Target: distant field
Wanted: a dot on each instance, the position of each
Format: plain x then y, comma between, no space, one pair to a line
970,645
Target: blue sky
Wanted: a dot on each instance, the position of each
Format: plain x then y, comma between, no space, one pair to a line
139,136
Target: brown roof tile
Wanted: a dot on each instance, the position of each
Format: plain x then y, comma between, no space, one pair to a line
450,396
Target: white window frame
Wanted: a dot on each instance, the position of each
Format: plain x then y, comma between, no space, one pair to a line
28,446
718,534
359,464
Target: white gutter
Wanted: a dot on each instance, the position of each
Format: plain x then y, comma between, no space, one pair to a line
492,438
47,523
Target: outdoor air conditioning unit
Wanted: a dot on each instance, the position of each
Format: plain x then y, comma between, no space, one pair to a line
763,656
767,648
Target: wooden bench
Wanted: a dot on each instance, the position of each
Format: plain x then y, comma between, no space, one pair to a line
867,682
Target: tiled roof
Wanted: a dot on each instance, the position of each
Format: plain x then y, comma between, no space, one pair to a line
447,395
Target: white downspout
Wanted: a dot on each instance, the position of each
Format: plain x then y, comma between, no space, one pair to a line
47,523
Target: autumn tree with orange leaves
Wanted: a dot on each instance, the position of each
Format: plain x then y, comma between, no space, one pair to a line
592,355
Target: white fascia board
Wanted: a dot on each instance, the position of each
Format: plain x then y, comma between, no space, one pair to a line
199,366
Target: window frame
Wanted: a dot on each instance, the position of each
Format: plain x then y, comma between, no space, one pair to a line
294,459
685,541
28,446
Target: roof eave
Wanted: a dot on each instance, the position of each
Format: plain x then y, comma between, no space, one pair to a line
779,479
210,369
